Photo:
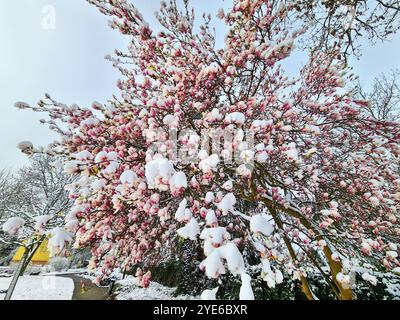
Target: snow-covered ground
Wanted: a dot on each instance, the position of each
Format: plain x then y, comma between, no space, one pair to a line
60,286
53,286
39,288
128,289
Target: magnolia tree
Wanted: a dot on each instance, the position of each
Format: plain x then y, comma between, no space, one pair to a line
219,146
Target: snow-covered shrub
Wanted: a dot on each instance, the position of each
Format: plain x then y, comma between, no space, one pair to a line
80,258
6,255
59,264
387,286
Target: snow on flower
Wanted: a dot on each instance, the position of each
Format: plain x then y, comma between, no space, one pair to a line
111,168
344,280
128,177
83,155
72,225
101,157
272,278
98,184
247,156
71,167
168,119
59,238
178,182
292,153
158,173
228,185
391,254
25,146
41,222
235,117
259,224
211,218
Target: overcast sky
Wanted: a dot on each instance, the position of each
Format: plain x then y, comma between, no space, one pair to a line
68,61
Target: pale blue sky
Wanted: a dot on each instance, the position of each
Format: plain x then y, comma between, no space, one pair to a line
68,62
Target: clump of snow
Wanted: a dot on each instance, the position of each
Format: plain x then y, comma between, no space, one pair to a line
233,257
71,167
292,153
72,225
370,278
190,231
100,157
391,254
209,197
83,155
209,294
227,203
259,224
247,156
228,185
98,184
168,119
111,168
13,225
213,265
246,292
272,278
103,156
235,117
344,280
182,213
216,235
209,164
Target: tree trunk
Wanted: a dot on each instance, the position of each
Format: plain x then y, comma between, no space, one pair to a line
305,286
336,267
16,276
32,252
26,259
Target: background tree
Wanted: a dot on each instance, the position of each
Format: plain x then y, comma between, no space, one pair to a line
383,97
347,22
36,208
